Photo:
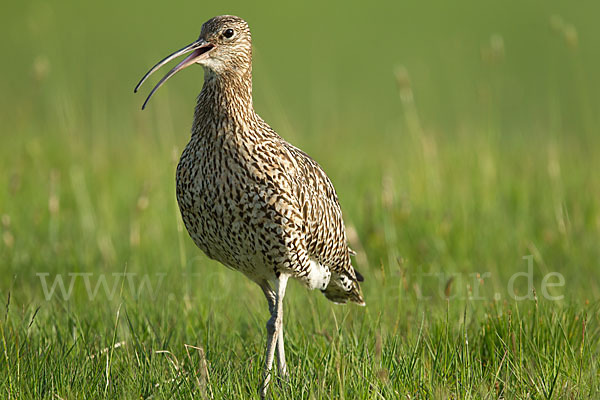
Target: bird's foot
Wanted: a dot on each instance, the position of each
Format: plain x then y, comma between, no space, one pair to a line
282,371
264,386
282,380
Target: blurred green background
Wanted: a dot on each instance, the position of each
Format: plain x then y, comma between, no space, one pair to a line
480,117
320,65
461,136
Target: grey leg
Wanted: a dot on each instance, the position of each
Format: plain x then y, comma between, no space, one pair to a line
269,294
274,327
271,300
281,364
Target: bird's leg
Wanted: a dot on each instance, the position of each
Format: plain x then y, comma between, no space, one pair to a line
280,348
269,294
274,327
281,364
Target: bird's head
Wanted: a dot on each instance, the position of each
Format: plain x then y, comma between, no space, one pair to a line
223,48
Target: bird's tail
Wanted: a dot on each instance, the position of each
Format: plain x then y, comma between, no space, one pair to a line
343,288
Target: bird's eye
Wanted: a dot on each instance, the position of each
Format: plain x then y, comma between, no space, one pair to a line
228,33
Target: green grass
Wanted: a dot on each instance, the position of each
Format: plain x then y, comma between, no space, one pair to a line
463,142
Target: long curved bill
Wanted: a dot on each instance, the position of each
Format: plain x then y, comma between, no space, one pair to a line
198,48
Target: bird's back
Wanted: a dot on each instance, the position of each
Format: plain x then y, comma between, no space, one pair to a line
324,229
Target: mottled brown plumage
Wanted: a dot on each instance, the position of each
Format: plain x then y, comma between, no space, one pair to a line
248,198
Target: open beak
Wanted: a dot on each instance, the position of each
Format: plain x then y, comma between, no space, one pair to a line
198,49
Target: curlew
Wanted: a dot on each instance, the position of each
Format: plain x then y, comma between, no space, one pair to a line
248,198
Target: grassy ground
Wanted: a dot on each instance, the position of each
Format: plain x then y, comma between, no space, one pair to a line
463,142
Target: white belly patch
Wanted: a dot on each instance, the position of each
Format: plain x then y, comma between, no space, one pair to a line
318,276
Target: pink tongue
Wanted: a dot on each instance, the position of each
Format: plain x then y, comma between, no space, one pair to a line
190,59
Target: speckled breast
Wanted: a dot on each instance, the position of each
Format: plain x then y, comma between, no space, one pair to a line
224,210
